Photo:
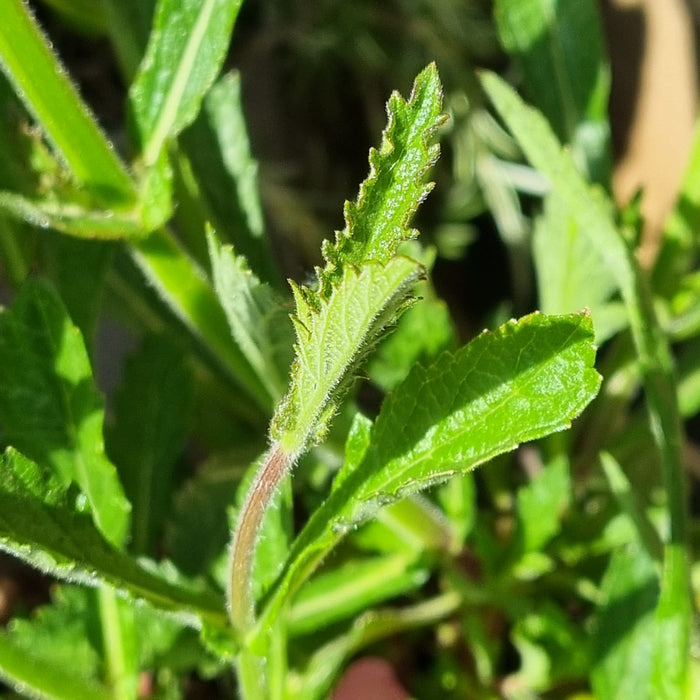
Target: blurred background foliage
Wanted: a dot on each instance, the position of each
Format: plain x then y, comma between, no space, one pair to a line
314,79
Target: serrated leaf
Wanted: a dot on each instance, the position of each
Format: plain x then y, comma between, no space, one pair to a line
187,46
258,320
528,379
332,339
50,408
378,221
151,416
41,524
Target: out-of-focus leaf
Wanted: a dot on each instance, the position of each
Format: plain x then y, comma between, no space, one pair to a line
258,319
151,412
560,52
227,175
71,219
423,332
185,51
50,408
571,273
41,523
624,630
351,588
552,647
198,528
541,504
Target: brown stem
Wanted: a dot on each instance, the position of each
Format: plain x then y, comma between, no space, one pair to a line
241,601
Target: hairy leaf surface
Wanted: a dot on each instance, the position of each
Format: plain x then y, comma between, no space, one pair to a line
524,381
332,339
257,318
364,285
41,522
378,221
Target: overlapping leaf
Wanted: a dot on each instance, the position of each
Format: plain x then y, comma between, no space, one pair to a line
186,49
50,408
41,522
526,380
363,285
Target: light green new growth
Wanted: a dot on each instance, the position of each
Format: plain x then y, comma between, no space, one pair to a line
362,290
378,221
363,286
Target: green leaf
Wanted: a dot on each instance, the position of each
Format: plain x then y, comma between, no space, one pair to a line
351,588
258,320
528,379
331,341
41,523
198,527
78,269
541,504
377,222
185,52
624,629
49,406
43,85
61,634
218,150
570,271
324,666
71,218
18,669
560,52
182,287
422,333
654,356
151,419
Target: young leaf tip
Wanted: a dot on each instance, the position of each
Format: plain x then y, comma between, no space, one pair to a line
377,222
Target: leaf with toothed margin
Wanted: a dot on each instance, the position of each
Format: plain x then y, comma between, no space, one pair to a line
527,379
378,221
364,285
332,339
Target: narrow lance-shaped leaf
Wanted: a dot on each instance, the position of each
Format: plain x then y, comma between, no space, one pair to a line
258,320
593,214
524,381
42,84
337,323
187,46
41,524
151,420
378,221
50,408
361,291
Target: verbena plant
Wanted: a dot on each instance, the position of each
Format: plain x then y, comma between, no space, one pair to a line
270,581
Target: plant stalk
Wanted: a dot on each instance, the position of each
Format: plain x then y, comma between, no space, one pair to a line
240,596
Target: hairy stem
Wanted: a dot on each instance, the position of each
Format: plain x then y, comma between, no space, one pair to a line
240,595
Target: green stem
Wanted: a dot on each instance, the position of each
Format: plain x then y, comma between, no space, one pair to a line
42,83
265,483
118,642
